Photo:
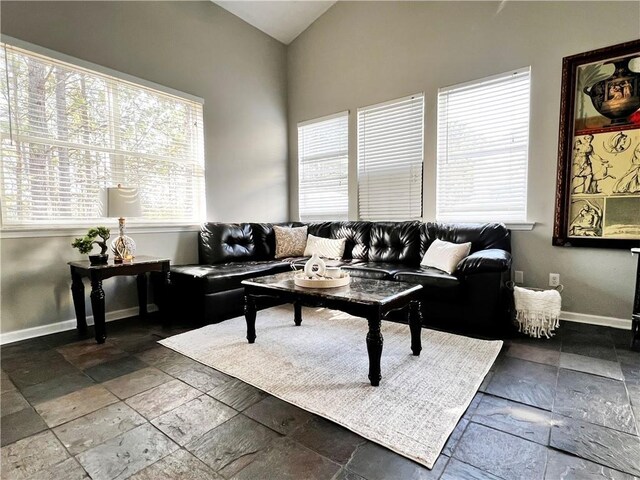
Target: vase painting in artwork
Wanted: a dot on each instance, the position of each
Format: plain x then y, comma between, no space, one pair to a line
613,91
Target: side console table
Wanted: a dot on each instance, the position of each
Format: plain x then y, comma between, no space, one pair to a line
139,266
635,316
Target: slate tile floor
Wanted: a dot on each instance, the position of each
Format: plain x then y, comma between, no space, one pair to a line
566,408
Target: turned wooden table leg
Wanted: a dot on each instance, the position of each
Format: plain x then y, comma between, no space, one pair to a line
250,317
374,349
297,314
97,304
77,292
415,325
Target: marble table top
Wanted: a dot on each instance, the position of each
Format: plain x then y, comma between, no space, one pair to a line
138,260
360,290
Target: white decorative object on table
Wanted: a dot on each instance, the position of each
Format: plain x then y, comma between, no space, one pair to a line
537,312
333,272
301,280
312,263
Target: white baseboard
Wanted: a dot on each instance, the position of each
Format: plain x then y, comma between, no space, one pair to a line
16,336
622,323
26,333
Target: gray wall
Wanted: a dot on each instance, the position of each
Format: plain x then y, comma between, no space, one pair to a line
361,53
195,47
355,55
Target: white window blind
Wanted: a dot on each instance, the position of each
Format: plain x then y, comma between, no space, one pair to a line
323,164
67,133
390,158
483,141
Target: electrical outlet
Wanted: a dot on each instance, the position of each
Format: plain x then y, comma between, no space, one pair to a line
554,279
519,276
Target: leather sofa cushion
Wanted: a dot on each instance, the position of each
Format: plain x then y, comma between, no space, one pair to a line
225,242
435,283
221,277
357,235
485,261
395,242
320,229
481,235
374,270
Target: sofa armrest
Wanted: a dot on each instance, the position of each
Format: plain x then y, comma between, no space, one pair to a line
485,261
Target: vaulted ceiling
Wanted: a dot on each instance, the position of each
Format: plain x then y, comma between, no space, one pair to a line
283,20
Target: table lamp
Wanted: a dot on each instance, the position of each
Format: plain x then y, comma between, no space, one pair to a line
123,202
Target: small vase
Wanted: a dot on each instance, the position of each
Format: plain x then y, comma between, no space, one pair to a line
313,262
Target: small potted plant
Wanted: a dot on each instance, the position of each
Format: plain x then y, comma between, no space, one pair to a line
85,244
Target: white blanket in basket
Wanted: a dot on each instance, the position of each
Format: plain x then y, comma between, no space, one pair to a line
537,312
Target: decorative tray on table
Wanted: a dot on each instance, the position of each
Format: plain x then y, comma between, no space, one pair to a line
302,280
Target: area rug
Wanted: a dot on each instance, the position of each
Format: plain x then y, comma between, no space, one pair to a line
322,366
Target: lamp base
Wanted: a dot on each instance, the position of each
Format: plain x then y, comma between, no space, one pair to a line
124,248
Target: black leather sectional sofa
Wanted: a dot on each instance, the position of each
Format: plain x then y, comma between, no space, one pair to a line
473,298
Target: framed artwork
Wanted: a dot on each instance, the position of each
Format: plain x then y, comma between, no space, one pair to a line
598,177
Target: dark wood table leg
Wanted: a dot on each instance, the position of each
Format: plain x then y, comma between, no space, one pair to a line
77,292
297,313
163,301
250,317
97,304
141,282
415,325
374,349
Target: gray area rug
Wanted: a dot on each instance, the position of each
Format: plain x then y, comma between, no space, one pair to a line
322,367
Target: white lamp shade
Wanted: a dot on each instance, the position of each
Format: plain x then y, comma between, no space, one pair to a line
123,202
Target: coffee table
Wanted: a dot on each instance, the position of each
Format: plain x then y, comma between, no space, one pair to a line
363,297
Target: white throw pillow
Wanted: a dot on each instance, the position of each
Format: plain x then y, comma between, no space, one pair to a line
445,255
290,242
325,247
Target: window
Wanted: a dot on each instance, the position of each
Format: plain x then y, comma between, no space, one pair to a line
390,154
323,163
483,141
67,133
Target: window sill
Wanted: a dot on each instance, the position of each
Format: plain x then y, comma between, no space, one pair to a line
520,226
78,231
513,226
